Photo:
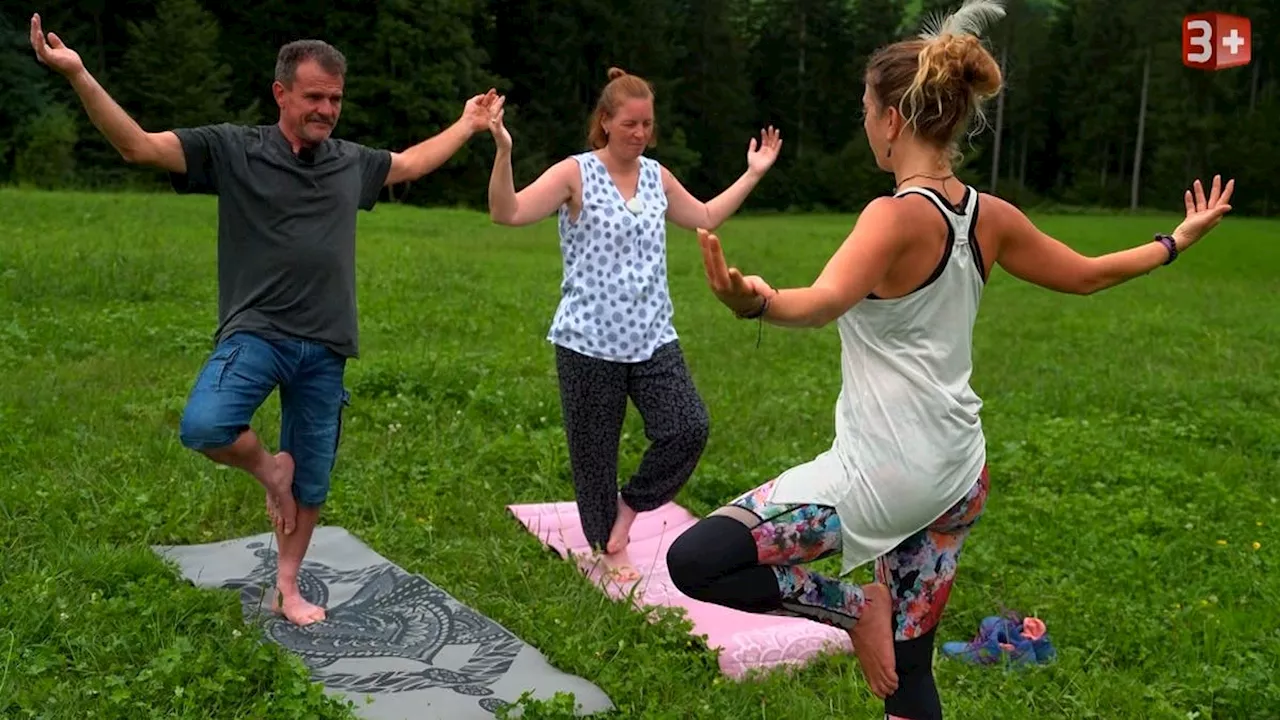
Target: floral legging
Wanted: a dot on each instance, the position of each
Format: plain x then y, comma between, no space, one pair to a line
919,572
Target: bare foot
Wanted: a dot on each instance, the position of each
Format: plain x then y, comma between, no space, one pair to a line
872,638
620,536
280,503
618,567
273,512
296,609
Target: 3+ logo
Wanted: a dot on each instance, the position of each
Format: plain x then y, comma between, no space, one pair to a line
1215,41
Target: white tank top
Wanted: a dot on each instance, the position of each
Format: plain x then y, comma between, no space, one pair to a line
908,441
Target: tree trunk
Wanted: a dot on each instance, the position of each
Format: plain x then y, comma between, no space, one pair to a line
1022,163
1124,150
802,82
1205,156
995,153
1011,166
1106,162
1142,127
101,40
1253,87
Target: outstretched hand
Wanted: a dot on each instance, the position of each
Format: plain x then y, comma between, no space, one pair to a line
475,114
1203,214
500,135
52,52
741,294
760,157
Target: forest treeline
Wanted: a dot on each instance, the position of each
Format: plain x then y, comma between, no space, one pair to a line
1098,109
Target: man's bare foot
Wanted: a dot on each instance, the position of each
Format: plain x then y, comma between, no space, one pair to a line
620,536
273,510
872,638
296,609
281,506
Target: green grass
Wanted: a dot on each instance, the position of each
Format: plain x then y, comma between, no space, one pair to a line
1134,438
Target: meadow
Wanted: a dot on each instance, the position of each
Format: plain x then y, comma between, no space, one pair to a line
1133,446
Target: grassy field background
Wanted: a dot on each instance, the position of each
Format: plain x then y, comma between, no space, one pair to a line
1133,436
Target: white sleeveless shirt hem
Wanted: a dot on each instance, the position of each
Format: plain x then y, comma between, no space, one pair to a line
872,521
908,441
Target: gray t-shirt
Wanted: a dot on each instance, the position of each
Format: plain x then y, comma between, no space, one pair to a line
286,228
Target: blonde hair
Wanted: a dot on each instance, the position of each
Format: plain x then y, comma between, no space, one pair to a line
622,86
937,83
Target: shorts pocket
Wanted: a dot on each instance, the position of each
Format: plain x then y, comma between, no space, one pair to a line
343,404
219,362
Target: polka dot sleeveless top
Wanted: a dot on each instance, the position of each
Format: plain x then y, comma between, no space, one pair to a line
614,302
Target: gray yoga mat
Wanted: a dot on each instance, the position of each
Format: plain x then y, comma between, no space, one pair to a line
390,636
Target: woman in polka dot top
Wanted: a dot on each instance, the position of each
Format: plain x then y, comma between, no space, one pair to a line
613,331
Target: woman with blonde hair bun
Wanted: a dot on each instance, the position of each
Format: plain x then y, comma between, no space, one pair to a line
905,478
613,331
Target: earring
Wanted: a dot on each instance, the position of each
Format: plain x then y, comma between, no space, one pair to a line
889,153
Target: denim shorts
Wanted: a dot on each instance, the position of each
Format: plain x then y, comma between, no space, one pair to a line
237,378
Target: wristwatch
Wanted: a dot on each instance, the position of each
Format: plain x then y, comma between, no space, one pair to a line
1170,245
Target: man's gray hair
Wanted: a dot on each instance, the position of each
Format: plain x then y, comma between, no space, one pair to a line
295,53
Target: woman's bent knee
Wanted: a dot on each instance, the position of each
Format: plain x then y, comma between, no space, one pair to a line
683,566
699,432
698,422
714,546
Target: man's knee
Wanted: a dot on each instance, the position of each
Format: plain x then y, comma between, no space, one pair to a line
206,425
311,487
312,432
315,454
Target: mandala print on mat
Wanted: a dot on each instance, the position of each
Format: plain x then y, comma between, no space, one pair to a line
393,614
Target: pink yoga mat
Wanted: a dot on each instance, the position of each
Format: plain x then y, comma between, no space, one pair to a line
747,641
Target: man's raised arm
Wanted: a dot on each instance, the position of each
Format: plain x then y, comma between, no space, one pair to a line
431,153
135,145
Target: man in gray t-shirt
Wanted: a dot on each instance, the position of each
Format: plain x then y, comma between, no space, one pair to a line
286,228
288,195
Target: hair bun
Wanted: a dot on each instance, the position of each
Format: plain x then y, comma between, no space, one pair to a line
979,69
954,63
615,73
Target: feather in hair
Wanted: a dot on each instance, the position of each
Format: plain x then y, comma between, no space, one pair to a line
972,18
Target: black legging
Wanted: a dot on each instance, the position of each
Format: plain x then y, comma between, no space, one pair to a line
715,561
